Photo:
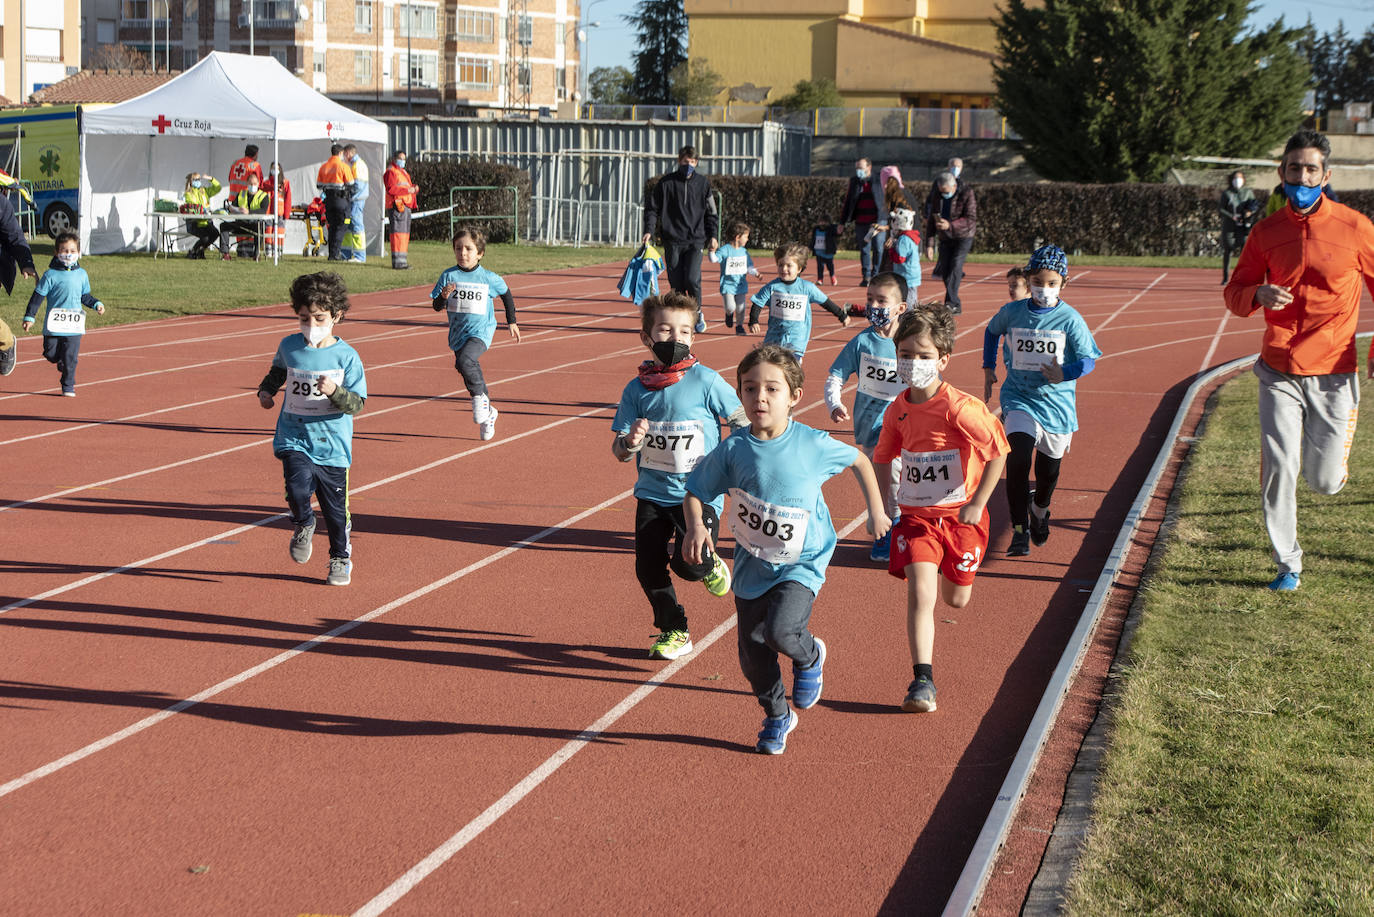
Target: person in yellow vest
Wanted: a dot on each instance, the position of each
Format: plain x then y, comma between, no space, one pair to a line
335,181
402,197
242,168
251,199
200,188
355,236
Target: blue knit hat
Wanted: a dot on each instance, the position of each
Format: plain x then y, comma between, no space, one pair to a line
1049,257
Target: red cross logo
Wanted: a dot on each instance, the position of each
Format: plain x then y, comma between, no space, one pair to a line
329,129
161,123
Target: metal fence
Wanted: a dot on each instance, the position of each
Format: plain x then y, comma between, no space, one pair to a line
587,177
967,123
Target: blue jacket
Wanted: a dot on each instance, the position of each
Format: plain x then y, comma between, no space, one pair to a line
65,288
640,279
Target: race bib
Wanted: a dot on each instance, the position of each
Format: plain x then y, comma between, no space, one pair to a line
65,321
469,298
773,534
790,307
931,479
303,395
736,266
673,446
819,245
878,377
1032,348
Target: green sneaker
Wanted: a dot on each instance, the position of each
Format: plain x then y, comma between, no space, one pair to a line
671,644
717,582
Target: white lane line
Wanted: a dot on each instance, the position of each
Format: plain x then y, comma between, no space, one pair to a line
268,520
305,647
1130,302
1216,339
469,832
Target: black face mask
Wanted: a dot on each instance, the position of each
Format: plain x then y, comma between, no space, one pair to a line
670,353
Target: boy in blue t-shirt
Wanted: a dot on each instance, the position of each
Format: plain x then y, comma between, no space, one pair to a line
68,290
783,534
325,387
468,292
669,418
789,299
1047,348
872,356
906,251
736,266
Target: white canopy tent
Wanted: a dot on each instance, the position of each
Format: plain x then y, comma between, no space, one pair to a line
142,149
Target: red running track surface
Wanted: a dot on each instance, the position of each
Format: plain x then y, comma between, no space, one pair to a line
191,723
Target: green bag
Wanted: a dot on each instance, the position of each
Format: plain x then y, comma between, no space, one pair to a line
161,206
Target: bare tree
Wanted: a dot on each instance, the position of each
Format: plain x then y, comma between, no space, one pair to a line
117,57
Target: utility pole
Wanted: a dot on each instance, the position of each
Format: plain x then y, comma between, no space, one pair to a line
410,67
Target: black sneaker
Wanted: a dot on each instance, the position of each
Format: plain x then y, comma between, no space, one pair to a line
730,320
954,308
920,696
864,282
8,357
1020,542
1039,528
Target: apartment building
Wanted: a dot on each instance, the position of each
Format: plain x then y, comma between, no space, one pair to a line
383,57
40,44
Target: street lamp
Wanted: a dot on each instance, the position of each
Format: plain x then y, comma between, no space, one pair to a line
582,65
410,67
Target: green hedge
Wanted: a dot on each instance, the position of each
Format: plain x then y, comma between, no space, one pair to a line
1120,219
435,178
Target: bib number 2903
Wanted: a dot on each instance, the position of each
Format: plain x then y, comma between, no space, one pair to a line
771,528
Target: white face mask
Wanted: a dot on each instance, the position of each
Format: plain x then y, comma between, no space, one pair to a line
68,258
918,373
1044,297
955,170
1237,183
316,333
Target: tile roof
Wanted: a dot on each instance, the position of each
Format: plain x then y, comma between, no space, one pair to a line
101,86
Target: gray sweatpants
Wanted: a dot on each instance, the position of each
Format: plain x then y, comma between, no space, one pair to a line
1307,424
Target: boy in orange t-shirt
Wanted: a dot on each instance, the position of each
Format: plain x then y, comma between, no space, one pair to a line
952,450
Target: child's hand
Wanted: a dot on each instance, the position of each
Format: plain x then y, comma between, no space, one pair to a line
753,272
638,430
839,414
989,380
514,330
264,399
698,538
1052,371
325,385
99,308
879,525
753,328
844,318
447,291
970,513
28,323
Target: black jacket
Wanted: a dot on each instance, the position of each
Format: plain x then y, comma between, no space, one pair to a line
851,199
14,248
682,210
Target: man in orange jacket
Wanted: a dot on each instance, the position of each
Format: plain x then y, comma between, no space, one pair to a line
1303,265
401,200
243,167
335,181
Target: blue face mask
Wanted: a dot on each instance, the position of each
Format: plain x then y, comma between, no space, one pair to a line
686,169
947,194
1301,195
400,163
878,316
861,174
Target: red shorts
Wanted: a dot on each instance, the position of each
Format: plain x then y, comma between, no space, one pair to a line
957,548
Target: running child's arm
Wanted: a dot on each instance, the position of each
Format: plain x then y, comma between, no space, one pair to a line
90,302
972,511
511,326
31,310
837,311
340,398
631,441
878,523
270,385
440,301
990,340
834,386
698,536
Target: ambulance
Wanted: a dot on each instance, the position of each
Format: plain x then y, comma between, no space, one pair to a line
41,145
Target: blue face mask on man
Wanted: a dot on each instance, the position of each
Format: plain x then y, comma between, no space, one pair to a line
947,194
685,169
1302,196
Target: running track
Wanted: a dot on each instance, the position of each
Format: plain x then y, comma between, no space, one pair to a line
190,723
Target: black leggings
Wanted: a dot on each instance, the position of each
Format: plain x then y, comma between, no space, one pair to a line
1018,477
465,360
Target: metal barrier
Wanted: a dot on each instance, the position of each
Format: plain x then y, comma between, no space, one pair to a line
513,216
971,123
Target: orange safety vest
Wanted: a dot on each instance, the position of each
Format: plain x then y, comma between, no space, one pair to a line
239,172
335,175
399,188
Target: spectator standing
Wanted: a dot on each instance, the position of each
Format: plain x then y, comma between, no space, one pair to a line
951,221
15,258
682,210
279,188
402,199
1238,209
863,206
354,243
1303,266
335,181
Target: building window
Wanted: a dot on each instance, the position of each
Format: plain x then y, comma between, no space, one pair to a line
560,34
526,29
423,21
279,55
362,18
423,70
189,56
362,67
525,75
221,10
191,11
473,25
560,80
473,73
104,31
319,63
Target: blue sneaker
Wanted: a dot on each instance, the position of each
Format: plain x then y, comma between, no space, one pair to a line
882,549
807,682
1285,582
776,729
701,325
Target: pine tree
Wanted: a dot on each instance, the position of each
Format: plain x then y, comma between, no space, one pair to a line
1120,90
661,39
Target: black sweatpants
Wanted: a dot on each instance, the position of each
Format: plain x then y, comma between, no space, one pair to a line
656,527
683,264
329,485
465,360
336,209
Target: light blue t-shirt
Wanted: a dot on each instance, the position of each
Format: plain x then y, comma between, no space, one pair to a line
789,311
735,265
471,308
873,358
1029,340
910,269
65,289
778,515
684,425
308,423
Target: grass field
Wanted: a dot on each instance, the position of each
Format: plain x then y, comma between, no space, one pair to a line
1240,774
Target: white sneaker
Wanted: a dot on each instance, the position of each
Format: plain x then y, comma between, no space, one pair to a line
486,429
